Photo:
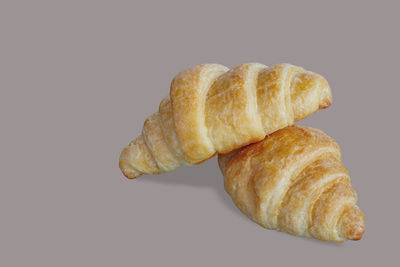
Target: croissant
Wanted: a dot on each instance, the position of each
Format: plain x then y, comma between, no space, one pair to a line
294,181
212,110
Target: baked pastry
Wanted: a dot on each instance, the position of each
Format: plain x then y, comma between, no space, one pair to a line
212,110
294,181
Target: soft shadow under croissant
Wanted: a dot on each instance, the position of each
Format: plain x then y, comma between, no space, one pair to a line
294,181
212,109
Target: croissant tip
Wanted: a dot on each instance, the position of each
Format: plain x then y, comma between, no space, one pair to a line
355,232
353,224
127,172
326,97
129,175
357,236
325,103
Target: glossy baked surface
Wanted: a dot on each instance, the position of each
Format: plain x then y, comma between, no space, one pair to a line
212,109
294,181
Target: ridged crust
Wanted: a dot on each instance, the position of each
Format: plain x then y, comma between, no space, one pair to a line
294,181
212,109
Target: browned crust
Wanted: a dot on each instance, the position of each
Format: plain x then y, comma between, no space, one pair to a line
294,181
215,110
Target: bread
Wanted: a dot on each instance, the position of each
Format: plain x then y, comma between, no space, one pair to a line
212,110
294,181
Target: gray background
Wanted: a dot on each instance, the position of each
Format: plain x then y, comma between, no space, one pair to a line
78,78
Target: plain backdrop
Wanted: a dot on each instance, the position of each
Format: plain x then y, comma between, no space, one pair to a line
78,79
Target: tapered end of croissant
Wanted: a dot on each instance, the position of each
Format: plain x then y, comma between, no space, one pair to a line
352,224
128,171
326,94
310,92
136,159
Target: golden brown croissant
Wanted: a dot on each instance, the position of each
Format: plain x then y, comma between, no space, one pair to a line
294,181
212,110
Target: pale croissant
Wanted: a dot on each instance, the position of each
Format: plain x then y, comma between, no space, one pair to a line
294,181
212,109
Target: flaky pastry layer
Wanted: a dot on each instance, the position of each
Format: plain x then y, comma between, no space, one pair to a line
212,109
294,181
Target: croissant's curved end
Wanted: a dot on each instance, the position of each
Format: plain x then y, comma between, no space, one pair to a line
128,171
309,92
352,224
326,94
136,159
